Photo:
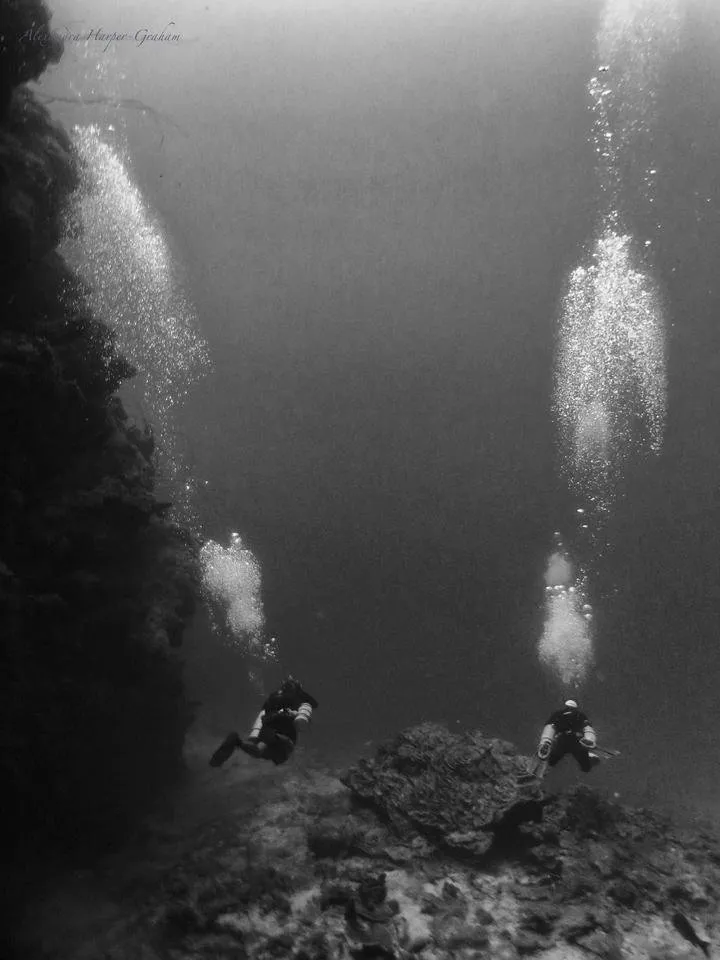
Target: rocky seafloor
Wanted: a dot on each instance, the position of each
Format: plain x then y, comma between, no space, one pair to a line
436,848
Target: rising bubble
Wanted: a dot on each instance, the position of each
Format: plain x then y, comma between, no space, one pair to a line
566,646
233,585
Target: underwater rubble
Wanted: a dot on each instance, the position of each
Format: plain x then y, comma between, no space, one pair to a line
378,862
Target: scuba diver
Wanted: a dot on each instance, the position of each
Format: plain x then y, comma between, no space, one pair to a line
274,732
567,731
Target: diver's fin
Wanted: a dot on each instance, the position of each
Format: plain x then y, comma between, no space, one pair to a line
225,750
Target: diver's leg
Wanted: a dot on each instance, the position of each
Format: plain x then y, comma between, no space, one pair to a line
269,745
585,759
253,747
558,751
225,750
282,749
279,746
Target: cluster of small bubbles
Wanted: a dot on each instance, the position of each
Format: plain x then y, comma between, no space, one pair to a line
184,492
610,379
610,384
634,41
566,644
122,253
232,583
559,569
270,649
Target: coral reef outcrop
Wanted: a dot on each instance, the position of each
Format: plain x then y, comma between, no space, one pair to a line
262,863
459,792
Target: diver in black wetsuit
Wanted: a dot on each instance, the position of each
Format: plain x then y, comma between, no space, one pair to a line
274,732
568,731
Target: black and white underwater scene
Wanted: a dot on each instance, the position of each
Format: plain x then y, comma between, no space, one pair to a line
360,479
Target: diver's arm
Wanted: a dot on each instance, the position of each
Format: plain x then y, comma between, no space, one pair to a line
257,726
303,714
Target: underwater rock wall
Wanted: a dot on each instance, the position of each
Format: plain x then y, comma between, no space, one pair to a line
96,584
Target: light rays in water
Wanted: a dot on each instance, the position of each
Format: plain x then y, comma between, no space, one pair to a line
610,374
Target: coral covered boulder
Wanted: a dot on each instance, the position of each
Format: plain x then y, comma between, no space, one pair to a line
455,790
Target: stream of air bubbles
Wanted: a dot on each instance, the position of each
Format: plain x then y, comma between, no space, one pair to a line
610,379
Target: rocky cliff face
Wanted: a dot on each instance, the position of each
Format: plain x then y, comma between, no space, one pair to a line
265,863
95,583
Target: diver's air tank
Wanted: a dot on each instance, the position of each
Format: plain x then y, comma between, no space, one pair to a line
589,734
548,732
303,715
